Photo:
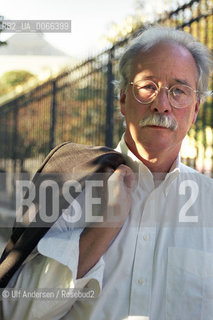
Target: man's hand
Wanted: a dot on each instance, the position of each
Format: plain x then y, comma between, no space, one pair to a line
94,241
119,195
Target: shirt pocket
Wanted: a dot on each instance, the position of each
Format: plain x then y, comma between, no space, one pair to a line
189,287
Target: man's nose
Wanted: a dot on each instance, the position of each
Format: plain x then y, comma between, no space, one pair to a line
161,103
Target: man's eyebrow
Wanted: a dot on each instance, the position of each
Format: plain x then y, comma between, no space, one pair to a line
183,82
151,77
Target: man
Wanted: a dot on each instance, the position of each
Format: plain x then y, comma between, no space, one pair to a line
156,263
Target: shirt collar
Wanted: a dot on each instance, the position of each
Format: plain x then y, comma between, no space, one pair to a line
130,158
145,177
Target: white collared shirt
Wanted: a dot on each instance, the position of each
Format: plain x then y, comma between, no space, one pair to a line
159,267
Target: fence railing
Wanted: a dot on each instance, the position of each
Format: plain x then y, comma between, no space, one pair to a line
81,105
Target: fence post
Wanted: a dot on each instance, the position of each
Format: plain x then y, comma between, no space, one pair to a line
14,154
15,137
109,101
53,116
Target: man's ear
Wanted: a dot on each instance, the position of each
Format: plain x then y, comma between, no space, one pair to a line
197,107
122,101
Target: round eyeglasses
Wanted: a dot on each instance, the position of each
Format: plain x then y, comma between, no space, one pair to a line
179,95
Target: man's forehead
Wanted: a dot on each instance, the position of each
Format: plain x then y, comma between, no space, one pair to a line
163,54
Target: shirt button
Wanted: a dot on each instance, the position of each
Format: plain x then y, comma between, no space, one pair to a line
146,237
141,281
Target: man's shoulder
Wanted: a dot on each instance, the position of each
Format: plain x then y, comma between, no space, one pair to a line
197,176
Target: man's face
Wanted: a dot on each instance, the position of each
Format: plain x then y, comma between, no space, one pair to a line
166,64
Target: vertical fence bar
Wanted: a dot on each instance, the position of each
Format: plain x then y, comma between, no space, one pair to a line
15,137
110,101
14,154
53,116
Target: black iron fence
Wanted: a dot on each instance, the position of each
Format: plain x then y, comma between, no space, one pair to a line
81,105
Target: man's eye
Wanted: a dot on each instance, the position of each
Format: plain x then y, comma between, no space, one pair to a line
148,88
178,92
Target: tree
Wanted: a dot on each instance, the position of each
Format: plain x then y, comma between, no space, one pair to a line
2,43
11,79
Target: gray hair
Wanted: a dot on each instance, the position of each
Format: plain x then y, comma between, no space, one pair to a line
154,35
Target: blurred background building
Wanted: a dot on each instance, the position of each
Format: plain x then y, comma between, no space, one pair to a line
32,52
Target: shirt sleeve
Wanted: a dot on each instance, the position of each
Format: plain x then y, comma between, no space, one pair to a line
61,243
51,273
64,248
53,268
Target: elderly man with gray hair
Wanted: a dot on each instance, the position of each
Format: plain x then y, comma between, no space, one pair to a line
157,263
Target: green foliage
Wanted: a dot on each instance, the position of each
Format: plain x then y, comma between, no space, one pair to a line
88,92
2,43
11,79
16,77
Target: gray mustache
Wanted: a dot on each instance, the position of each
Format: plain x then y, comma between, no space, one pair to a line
161,120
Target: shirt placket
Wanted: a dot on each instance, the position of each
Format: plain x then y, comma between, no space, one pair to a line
141,286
